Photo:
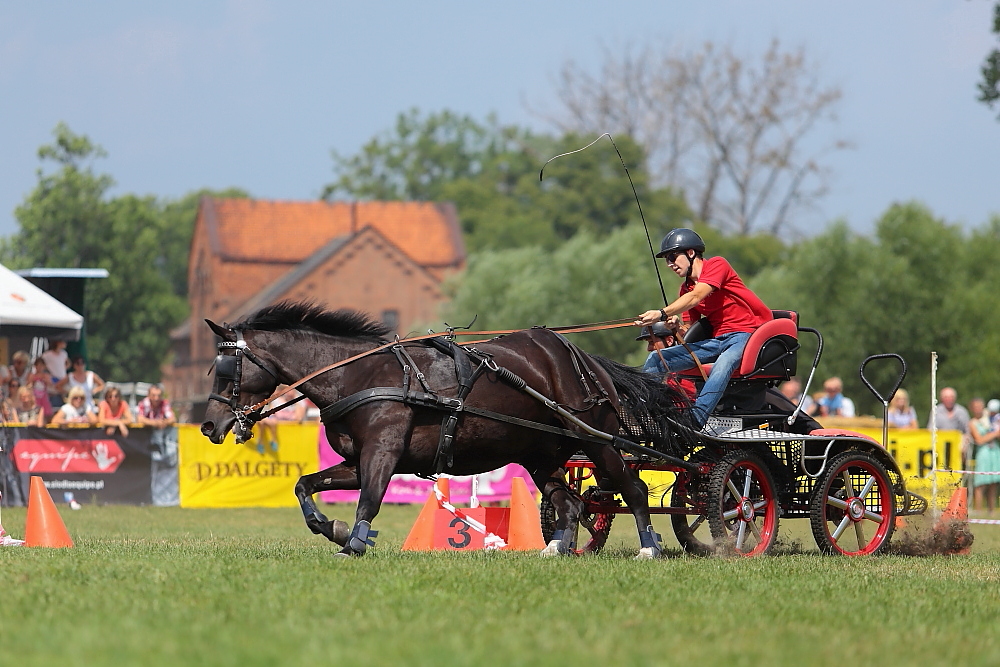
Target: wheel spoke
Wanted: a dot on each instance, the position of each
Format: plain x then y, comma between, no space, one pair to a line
733,490
836,502
860,532
696,523
746,483
841,528
741,535
760,504
731,514
872,516
756,531
868,487
848,486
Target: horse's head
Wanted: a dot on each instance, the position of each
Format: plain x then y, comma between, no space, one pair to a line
242,379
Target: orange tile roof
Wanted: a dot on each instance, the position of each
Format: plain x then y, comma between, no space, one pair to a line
290,231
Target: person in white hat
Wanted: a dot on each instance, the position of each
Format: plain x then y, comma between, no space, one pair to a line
985,433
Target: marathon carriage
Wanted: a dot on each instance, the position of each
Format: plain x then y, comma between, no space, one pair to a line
760,459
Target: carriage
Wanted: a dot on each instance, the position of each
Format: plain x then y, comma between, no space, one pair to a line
760,459
429,404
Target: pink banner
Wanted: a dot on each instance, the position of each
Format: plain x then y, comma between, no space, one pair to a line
493,486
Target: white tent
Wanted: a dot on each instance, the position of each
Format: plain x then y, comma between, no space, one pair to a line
26,310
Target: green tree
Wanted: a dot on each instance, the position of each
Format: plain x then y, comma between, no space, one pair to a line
69,221
989,87
491,174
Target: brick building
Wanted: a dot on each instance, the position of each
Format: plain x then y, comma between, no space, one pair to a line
385,258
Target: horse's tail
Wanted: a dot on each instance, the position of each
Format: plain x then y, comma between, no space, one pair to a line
651,409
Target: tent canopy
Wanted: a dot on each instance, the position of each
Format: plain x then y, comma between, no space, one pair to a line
26,310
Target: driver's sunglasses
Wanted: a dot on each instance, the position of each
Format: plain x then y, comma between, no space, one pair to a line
672,257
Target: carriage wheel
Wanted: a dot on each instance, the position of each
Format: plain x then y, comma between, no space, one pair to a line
691,530
598,525
741,494
852,512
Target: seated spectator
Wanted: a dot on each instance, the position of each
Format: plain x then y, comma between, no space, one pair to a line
89,381
7,411
57,361
19,367
29,413
42,385
901,414
291,413
76,410
834,403
10,388
792,390
154,410
114,413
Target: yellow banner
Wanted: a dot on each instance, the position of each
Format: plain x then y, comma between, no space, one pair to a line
231,475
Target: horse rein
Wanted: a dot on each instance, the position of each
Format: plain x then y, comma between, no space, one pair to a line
234,369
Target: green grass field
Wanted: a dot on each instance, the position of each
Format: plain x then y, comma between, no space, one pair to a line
171,586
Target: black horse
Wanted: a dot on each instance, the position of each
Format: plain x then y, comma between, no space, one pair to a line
382,437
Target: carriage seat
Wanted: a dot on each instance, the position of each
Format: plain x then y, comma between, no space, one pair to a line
771,350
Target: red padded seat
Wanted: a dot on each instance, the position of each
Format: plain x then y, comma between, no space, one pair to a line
767,345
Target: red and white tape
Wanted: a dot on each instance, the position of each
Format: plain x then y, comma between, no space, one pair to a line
491,541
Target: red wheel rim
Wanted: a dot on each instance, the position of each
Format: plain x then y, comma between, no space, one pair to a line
756,500
867,495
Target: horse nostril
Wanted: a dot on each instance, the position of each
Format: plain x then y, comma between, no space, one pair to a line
207,428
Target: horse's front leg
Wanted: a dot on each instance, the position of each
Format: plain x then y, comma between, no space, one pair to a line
377,464
337,478
634,492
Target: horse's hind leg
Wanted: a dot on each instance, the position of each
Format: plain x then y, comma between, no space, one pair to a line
338,477
634,492
568,508
378,462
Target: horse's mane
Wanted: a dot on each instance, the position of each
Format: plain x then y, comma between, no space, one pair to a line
292,316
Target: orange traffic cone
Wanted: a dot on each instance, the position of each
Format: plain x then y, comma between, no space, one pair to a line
421,537
525,531
44,527
958,506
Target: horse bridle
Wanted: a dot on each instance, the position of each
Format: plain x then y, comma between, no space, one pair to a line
230,369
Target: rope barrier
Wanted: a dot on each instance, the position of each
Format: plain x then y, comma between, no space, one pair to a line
965,472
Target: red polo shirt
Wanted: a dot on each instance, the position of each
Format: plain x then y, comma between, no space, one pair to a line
731,306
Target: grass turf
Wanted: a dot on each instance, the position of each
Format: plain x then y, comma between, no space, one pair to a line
253,587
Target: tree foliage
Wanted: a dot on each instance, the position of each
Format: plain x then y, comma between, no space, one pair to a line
69,220
491,173
989,87
728,130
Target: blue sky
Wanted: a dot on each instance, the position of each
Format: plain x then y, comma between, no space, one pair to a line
185,95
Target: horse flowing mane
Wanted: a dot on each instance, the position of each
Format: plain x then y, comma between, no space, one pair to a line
298,316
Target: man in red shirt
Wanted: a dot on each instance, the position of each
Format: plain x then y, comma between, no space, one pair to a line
713,290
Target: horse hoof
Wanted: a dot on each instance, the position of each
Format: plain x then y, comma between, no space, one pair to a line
646,553
553,549
336,531
346,553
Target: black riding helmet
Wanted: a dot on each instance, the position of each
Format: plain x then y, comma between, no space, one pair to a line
659,329
679,240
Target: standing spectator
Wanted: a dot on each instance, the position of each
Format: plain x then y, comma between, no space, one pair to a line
57,361
901,413
984,429
42,386
76,411
19,368
834,403
949,415
89,381
156,413
113,412
792,390
29,413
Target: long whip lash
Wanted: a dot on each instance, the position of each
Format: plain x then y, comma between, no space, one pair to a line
656,267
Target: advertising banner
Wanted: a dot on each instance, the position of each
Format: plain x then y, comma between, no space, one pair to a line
494,486
253,474
94,466
911,448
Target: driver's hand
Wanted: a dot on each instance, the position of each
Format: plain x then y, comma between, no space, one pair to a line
648,318
674,322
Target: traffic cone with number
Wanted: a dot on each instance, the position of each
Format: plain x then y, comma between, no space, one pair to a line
44,527
525,527
421,537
